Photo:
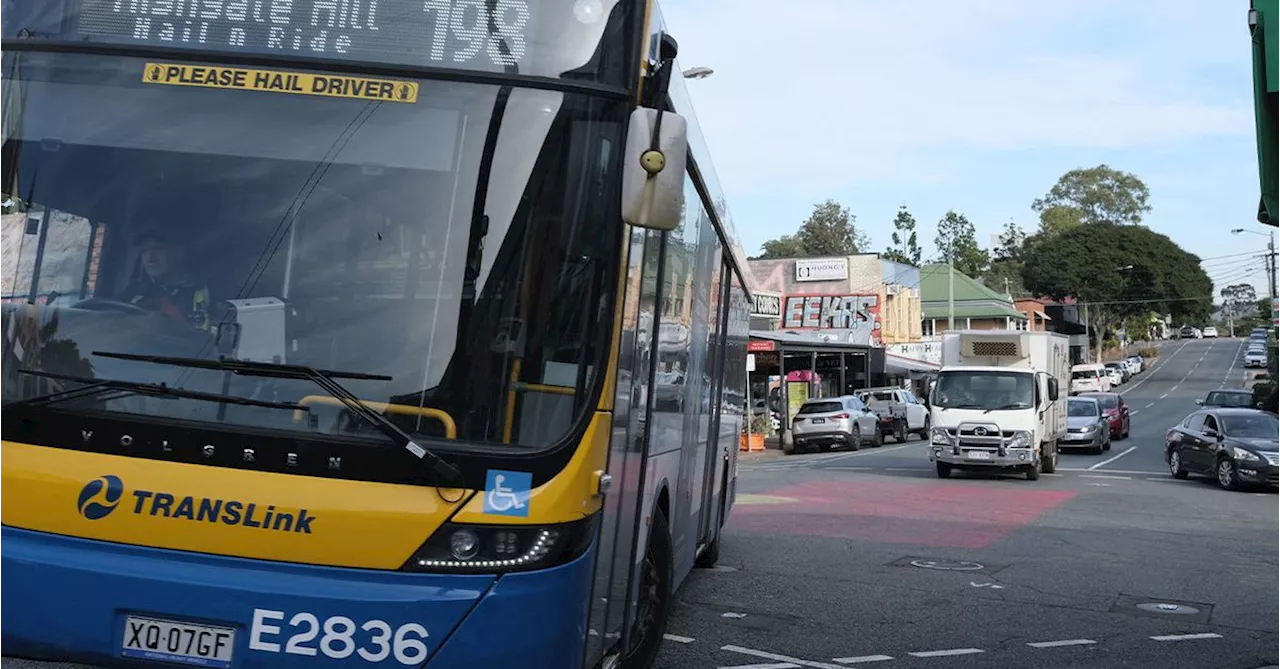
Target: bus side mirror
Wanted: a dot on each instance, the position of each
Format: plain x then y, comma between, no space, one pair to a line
653,169
1053,389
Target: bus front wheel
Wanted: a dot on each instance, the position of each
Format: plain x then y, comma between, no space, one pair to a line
653,603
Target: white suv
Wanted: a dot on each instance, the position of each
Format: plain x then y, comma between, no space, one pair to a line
1211,331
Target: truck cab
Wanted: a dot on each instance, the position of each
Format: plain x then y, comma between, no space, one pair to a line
996,403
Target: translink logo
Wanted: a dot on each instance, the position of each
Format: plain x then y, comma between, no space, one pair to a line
100,497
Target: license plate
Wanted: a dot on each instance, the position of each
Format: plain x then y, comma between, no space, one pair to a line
819,420
978,455
172,641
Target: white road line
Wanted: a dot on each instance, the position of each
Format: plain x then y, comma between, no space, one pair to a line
851,469
1110,471
1113,459
1164,395
780,658
945,653
862,658
1176,387
1234,359
1064,642
1155,369
1186,637
1053,474
776,665
1133,413
1153,478
678,639
1149,405
874,451
1101,476
904,469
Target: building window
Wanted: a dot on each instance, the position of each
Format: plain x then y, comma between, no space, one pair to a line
926,328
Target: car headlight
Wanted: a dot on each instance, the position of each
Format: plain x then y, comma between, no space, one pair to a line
1091,428
1021,439
501,548
938,435
1242,454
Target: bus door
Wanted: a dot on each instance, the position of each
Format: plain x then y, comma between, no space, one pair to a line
628,449
717,465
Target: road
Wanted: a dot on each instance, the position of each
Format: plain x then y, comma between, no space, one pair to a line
867,559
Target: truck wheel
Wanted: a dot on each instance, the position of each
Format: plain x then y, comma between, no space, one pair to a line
879,439
944,470
901,434
1033,472
1050,463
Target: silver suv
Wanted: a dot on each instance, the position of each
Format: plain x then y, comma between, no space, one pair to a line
835,421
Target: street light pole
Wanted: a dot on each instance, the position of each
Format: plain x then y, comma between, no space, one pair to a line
951,283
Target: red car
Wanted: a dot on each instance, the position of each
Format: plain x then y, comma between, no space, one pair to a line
1116,411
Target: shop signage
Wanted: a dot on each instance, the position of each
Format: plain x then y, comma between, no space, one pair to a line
843,312
822,269
766,304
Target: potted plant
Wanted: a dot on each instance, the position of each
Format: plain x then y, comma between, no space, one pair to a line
753,436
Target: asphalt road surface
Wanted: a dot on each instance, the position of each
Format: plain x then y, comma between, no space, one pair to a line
868,559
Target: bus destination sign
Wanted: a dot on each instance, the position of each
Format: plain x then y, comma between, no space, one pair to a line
472,34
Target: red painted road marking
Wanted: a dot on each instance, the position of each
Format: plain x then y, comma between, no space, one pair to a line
949,515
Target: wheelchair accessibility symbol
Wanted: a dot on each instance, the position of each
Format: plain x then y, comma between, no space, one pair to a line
507,493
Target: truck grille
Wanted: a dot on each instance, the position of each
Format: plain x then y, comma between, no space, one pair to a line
995,348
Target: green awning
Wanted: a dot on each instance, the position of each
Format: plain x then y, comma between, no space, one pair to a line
1263,19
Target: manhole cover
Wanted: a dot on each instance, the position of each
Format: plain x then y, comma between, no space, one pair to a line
948,565
1173,609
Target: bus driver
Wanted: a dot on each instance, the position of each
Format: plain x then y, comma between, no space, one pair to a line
165,286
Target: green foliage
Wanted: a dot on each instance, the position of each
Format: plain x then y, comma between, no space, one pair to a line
1086,263
1149,353
1004,275
1057,219
1096,195
1011,240
958,245
829,231
761,424
905,247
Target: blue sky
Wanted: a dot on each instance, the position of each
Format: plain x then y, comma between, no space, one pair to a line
977,106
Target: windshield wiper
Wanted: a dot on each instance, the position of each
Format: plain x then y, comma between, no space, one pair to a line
1015,405
960,406
94,387
321,377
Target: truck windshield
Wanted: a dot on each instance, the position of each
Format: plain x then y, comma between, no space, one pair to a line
987,390
453,237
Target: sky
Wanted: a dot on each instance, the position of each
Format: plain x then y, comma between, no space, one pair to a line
977,106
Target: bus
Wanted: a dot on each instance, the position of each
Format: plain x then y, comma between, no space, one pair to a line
1264,15
341,332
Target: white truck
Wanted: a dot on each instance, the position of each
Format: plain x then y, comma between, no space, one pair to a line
999,402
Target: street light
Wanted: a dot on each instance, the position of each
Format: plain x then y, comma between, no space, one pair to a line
698,73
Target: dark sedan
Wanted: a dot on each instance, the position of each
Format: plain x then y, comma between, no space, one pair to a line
1237,447
1116,411
1237,398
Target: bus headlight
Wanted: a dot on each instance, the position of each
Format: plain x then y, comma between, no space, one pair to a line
501,548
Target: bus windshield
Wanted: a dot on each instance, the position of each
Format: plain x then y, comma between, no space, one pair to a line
456,238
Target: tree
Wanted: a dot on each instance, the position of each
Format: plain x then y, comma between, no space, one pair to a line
829,231
1121,271
1057,219
1239,301
905,248
1011,241
1099,195
958,245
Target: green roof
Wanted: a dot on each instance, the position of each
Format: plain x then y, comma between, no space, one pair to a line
972,299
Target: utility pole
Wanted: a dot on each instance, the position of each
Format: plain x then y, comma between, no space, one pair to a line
1271,266
951,282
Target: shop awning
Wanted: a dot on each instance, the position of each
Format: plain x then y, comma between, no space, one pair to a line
895,364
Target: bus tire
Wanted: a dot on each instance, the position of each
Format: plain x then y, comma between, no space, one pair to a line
653,605
710,556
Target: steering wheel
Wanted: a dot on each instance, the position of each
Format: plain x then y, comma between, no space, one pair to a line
101,304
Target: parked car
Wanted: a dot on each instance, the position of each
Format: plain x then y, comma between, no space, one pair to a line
1211,331
1139,362
1089,378
1241,398
1187,332
1115,410
834,421
1237,447
1087,426
1120,371
1255,357
899,410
